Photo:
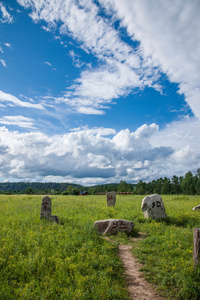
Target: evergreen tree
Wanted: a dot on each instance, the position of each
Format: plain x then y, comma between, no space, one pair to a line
166,186
188,185
175,185
141,188
123,187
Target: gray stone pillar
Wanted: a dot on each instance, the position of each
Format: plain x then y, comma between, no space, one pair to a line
111,198
196,247
45,208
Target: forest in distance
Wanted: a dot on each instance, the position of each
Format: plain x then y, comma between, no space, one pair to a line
189,184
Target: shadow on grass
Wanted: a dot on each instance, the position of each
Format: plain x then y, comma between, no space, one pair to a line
183,220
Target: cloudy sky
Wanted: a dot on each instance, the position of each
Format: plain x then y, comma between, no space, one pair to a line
98,91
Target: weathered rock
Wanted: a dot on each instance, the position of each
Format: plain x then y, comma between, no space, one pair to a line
153,207
112,226
111,198
196,207
54,219
45,208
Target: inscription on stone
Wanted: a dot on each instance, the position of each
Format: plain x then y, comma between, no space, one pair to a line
111,198
153,207
112,226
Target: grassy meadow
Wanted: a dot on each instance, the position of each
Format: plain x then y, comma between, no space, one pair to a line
43,260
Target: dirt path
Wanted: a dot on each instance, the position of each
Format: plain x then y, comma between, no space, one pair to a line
138,287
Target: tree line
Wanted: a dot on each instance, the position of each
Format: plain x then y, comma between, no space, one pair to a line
189,184
36,187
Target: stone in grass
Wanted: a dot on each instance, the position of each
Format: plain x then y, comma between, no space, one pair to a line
111,198
153,207
196,207
46,210
112,226
54,219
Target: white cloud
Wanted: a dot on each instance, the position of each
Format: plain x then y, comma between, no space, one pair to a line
8,45
146,131
2,61
91,154
169,33
121,70
46,28
88,110
20,121
12,100
99,155
50,65
183,136
169,36
6,17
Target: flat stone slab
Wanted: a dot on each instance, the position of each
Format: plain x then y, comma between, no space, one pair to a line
112,226
153,207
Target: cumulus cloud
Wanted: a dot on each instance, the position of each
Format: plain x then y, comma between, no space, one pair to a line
184,136
164,40
14,101
100,155
89,153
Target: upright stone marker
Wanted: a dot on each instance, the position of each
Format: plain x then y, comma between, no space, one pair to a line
111,198
196,247
153,207
45,208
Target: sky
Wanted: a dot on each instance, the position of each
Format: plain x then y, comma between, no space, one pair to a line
99,91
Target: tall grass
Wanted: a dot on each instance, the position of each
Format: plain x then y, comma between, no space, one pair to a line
43,260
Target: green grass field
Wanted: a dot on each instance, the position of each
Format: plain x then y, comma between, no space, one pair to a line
42,260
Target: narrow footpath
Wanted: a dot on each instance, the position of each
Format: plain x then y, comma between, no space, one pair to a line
138,287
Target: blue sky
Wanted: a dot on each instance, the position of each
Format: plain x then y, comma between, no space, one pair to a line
99,91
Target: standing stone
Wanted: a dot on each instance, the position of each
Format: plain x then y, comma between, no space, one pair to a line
196,247
111,198
45,208
112,226
153,207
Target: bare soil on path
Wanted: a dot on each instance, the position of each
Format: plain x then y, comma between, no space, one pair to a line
138,287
